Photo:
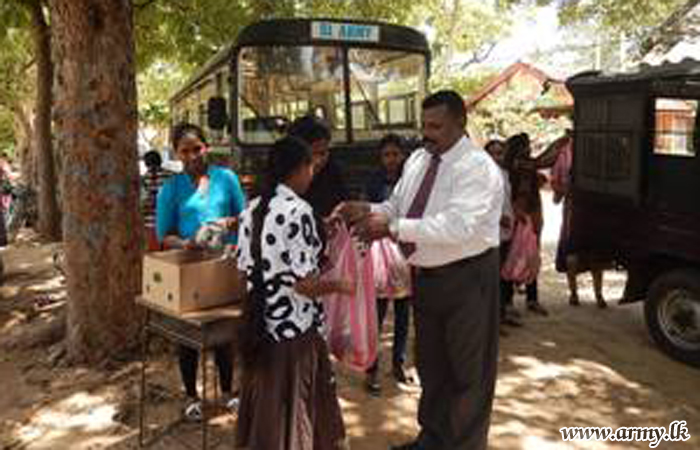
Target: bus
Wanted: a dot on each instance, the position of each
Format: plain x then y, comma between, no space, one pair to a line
365,79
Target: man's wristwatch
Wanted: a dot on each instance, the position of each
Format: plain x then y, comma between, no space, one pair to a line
394,229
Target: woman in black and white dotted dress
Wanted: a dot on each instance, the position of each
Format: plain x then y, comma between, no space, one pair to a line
288,399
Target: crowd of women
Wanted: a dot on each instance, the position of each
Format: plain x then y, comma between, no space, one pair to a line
523,221
281,237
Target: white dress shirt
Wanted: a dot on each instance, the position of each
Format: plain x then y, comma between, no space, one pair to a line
464,209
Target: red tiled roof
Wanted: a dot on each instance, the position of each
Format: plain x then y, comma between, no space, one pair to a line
504,77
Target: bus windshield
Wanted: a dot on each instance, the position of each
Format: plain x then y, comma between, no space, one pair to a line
277,84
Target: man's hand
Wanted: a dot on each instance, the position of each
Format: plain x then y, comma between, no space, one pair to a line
374,226
331,224
352,212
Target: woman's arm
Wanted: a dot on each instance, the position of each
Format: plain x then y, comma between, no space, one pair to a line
237,195
314,286
166,211
238,202
175,241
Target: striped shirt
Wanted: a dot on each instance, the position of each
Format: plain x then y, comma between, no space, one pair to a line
150,185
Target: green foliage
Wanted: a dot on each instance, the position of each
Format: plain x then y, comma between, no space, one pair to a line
15,62
155,85
396,11
188,31
633,18
466,28
191,31
465,84
16,82
13,14
7,136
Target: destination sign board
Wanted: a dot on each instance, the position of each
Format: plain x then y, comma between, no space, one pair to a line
353,32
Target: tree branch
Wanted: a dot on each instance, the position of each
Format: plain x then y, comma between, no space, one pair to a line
479,55
28,65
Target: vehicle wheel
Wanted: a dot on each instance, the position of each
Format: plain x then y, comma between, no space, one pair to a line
672,313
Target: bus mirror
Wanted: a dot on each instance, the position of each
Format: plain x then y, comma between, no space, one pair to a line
216,113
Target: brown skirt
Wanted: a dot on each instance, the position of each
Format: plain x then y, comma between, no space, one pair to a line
289,402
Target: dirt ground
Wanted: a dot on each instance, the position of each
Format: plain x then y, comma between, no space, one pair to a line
578,367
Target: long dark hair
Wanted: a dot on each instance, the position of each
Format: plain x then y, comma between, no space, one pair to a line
287,155
523,180
398,142
516,147
310,128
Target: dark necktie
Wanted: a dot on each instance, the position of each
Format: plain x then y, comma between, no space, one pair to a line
420,201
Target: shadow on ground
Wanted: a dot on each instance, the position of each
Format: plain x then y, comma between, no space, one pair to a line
578,367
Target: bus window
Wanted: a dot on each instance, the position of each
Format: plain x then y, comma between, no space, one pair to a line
675,127
278,84
384,87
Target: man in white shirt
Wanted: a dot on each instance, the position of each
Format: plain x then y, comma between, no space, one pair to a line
445,213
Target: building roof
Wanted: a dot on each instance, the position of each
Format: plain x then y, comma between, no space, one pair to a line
520,67
688,68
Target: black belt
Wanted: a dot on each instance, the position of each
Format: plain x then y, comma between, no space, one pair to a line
449,267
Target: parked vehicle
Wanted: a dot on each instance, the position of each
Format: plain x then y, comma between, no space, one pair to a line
636,175
364,78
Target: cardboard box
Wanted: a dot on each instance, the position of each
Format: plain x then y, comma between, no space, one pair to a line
182,281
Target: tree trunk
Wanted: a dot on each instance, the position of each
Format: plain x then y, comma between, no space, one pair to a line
49,225
96,127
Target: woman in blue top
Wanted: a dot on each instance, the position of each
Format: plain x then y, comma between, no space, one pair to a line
203,194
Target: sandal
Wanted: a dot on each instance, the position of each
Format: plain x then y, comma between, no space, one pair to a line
372,385
231,403
193,410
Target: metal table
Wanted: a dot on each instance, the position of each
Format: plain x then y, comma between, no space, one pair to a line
200,330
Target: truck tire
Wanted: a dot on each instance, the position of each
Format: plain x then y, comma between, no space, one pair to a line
672,312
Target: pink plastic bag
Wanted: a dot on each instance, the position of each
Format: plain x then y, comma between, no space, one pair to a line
561,171
351,321
392,274
523,261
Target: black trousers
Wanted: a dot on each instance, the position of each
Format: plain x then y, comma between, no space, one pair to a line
402,316
189,362
506,287
508,291
456,314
